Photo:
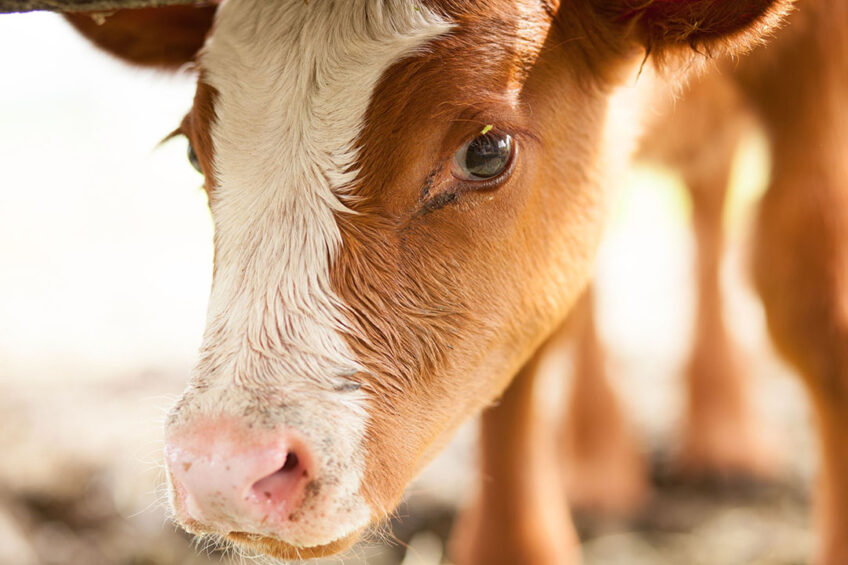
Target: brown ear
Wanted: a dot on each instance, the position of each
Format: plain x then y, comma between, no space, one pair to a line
707,26
165,37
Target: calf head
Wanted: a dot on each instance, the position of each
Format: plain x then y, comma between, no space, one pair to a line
407,197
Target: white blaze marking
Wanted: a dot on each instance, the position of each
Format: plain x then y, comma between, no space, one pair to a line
294,81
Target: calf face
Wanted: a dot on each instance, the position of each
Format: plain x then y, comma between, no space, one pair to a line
406,198
382,265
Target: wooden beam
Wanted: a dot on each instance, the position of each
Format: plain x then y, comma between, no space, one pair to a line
8,6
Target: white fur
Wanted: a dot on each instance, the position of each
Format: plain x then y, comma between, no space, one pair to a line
294,81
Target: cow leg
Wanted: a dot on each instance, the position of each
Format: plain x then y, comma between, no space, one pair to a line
604,468
721,436
799,86
697,135
519,516
801,268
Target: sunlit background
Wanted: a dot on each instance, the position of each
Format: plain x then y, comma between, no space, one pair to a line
105,264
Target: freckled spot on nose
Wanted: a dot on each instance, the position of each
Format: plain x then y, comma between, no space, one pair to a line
186,466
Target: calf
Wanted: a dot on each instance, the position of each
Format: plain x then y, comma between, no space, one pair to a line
407,199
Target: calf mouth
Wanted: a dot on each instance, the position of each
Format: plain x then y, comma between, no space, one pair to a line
282,550
270,546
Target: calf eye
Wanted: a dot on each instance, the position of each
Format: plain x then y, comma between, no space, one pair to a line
192,158
484,157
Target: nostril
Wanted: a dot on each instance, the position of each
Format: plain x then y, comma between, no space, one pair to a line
284,486
291,463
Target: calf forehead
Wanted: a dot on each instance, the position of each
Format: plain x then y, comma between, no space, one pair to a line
293,82
295,79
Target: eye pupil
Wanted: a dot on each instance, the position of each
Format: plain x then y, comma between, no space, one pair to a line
192,158
484,157
487,155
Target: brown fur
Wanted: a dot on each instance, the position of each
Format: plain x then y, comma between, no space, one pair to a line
165,37
801,252
422,281
659,24
668,30
196,125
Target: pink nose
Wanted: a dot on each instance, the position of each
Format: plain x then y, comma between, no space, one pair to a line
232,479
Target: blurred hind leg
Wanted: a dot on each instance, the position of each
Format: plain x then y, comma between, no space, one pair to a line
698,136
721,434
801,267
520,515
603,466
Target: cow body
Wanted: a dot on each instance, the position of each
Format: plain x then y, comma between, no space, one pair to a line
789,87
407,200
